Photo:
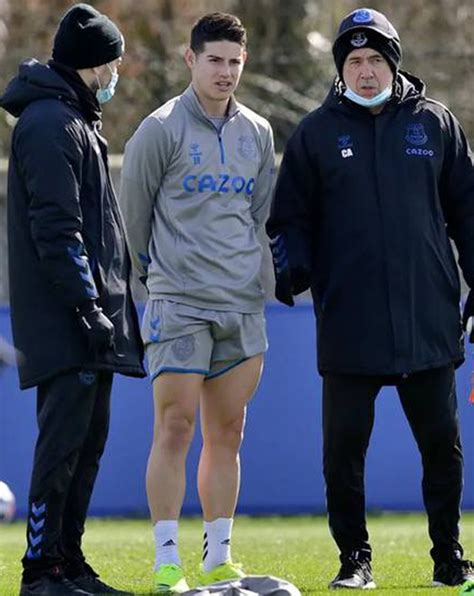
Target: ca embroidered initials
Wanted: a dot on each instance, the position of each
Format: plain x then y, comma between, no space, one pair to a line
344,143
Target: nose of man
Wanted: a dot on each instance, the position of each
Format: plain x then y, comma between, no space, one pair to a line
366,71
225,70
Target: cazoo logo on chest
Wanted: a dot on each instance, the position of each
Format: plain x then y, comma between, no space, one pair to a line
416,136
222,183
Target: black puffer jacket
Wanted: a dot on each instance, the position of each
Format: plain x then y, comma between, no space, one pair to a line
65,235
370,202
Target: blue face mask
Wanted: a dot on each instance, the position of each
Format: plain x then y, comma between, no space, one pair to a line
105,94
371,102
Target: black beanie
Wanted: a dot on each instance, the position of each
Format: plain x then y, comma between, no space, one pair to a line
86,38
367,28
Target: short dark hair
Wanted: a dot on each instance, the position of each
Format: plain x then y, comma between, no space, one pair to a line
217,26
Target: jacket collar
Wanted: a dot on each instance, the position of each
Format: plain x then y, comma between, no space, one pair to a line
88,104
193,104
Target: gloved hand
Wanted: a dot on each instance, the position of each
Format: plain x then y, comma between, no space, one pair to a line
283,291
292,278
283,288
98,328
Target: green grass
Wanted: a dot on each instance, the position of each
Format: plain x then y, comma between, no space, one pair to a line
295,548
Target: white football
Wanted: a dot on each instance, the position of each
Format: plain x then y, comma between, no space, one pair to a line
7,503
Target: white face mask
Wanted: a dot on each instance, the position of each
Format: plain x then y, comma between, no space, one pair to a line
371,102
105,94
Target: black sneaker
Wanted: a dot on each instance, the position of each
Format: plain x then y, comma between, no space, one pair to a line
93,585
453,572
48,585
355,573
85,578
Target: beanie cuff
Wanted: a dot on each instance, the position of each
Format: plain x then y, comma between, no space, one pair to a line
106,55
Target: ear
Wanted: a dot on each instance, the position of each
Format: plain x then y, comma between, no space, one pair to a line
189,57
244,56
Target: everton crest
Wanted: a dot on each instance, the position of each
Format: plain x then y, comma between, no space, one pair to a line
247,147
416,134
362,16
184,347
359,39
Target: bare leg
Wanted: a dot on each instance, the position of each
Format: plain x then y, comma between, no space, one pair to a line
223,409
176,398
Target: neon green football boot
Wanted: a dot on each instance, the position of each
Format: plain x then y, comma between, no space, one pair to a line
224,571
169,579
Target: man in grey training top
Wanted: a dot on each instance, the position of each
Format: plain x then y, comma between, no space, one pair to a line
196,185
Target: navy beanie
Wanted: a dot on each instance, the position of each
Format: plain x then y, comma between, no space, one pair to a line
86,38
367,28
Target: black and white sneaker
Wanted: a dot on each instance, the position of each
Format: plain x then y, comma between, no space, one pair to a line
453,572
49,585
355,573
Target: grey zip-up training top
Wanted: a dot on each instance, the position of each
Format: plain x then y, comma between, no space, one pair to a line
193,198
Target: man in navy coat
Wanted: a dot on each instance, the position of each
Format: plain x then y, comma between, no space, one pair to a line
372,186
73,318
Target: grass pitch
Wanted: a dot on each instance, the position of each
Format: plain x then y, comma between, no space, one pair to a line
298,549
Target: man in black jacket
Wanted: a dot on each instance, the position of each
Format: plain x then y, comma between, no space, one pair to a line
72,313
371,187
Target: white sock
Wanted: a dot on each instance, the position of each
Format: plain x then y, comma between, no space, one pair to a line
166,543
216,547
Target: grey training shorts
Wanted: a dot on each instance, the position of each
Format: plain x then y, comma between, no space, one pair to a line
185,339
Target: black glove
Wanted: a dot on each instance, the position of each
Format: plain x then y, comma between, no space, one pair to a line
98,328
283,288
292,275
283,291
467,314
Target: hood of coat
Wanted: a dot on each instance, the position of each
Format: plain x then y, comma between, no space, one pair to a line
35,81
407,87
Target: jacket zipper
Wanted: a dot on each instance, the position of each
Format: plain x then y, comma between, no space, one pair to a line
387,281
221,146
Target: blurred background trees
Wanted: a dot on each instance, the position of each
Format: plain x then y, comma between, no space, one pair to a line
290,64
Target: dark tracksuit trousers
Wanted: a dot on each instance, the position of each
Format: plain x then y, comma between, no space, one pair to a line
429,401
73,418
